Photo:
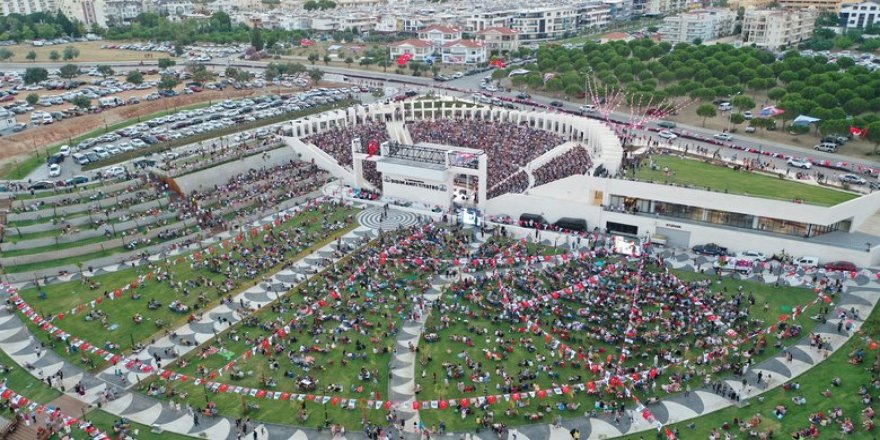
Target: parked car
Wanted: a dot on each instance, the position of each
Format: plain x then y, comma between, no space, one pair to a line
711,249
666,134
852,179
77,180
43,184
843,266
752,256
54,170
556,103
807,262
799,163
723,137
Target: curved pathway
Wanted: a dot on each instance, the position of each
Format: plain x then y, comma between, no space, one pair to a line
861,294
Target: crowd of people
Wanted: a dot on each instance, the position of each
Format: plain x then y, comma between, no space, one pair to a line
337,141
509,146
572,162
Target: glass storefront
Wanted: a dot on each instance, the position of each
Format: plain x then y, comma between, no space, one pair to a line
732,219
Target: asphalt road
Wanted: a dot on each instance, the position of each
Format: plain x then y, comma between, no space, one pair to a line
464,87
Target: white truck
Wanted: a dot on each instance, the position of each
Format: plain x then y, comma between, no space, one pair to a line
110,101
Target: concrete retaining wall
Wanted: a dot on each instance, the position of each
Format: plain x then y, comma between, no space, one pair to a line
84,219
77,192
205,179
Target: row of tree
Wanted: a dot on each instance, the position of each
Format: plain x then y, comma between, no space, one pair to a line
69,53
658,72
41,25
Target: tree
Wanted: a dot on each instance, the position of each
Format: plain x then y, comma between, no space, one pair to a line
165,63
856,106
32,98
135,77
742,102
34,75
70,52
737,118
105,70
31,56
313,57
874,134
257,39
348,61
54,55
834,126
167,82
199,72
5,54
69,71
316,75
327,59
310,5
706,111
81,102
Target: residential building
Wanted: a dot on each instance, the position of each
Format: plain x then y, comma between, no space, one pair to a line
483,20
89,12
543,24
27,6
464,52
663,7
175,10
821,5
419,49
119,12
593,15
778,28
438,35
703,24
757,4
499,39
859,15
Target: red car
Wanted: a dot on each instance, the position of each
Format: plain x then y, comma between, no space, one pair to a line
843,266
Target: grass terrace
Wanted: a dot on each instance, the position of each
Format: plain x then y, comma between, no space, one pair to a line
471,334
192,284
701,175
24,382
113,426
760,417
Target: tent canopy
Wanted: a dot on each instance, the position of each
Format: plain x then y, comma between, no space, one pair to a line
804,120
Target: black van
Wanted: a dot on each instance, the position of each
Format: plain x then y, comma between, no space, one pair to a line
571,224
532,221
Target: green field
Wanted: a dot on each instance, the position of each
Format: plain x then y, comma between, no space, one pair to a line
106,422
701,175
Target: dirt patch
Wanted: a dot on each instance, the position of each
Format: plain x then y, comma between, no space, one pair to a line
88,52
40,139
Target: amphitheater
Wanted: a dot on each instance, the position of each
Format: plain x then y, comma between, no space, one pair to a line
301,286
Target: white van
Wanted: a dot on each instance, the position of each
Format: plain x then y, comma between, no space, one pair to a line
589,108
828,147
807,262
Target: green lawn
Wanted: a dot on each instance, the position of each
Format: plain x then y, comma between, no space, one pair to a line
698,174
106,421
22,382
812,383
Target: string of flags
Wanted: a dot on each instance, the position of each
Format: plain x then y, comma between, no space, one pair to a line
26,408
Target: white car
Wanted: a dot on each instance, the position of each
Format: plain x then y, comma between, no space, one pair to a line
748,116
54,170
723,137
666,134
65,150
752,256
113,172
799,163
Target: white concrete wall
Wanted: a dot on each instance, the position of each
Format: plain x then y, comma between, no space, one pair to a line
310,153
207,178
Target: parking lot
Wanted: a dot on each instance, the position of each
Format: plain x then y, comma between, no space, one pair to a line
186,123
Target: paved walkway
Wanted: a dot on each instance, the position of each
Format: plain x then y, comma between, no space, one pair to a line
861,293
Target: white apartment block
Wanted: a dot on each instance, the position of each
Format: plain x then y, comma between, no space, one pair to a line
438,35
27,6
419,49
543,24
774,29
705,24
859,15
664,7
499,39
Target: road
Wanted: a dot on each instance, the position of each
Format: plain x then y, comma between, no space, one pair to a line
469,84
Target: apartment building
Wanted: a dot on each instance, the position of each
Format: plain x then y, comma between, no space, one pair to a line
821,5
27,6
703,24
663,7
543,24
859,15
499,39
774,29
